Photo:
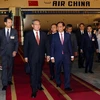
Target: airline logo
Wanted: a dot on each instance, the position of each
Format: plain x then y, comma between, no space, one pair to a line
33,2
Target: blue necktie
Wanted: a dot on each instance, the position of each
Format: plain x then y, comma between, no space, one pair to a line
7,34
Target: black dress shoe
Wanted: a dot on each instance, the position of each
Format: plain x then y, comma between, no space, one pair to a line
58,85
79,66
86,71
37,90
33,95
10,83
91,72
4,88
41,88
68,89
52,77
62,72
83,67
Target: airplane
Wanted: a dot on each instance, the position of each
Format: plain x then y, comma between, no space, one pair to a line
52,11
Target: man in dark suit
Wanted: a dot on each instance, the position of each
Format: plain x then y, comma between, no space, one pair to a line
53,30
8,50
73,40
61,53
35,46
89,45
79,35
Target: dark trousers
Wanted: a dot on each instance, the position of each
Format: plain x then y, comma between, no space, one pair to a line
71,65
98,56
52,72
7,66
27,68
89,61
66,66
35,75
81,59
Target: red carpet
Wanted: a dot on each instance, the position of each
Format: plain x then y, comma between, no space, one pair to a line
8,93
23,90
80,92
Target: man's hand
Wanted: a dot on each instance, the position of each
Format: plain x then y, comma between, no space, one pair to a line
81,51
97,51
75,54
72,59
26,60
48,58
14,53
53,60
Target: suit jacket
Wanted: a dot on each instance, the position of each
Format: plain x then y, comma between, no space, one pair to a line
89,44
50,41
50,38
74,43
79,37
32,50
57,47
7,47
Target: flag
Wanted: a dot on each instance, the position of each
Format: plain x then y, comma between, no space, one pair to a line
33,2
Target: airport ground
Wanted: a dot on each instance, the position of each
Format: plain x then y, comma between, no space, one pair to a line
85,86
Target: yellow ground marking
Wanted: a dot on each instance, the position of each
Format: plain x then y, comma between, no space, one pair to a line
13,90
83,83
21,57
59,89
48,95
20,49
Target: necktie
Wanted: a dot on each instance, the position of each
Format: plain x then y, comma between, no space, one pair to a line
90,35
62,40
7,34
37,38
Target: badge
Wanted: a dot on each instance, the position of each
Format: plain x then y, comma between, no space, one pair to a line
12,37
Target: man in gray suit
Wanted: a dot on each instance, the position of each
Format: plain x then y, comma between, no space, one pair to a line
8,50
73,39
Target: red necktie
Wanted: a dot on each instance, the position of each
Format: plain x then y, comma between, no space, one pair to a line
37,38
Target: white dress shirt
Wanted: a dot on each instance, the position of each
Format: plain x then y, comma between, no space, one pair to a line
82,32
53,33
35,33
6,29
